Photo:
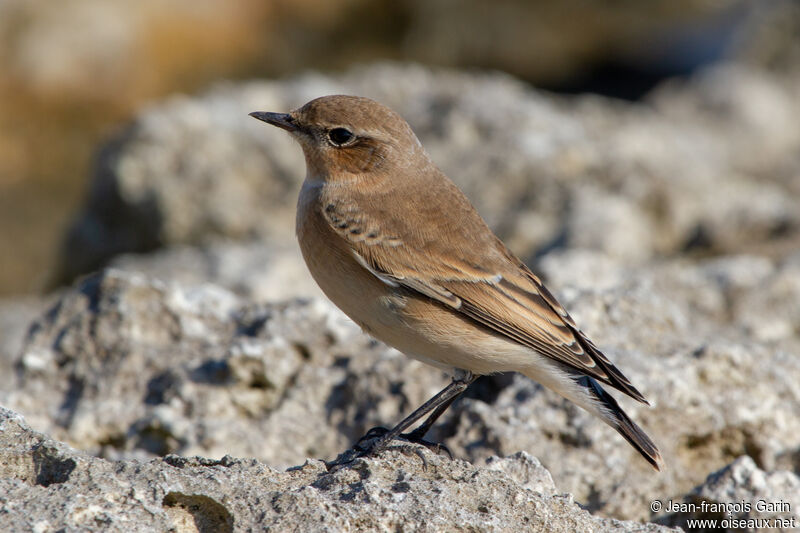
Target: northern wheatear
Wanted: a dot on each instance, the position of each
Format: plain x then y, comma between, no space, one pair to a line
399,248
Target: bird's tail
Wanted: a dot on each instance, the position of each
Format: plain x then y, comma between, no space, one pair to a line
587,393
612,414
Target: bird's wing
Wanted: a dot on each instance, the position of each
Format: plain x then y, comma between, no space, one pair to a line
485,282
522,309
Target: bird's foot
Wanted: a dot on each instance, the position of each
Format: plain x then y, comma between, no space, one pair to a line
374,442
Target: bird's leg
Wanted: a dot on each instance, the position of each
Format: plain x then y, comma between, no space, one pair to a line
423,428
435,406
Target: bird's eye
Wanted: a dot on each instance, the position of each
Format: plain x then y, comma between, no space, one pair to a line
340,136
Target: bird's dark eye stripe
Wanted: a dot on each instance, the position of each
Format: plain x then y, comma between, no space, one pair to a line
340,136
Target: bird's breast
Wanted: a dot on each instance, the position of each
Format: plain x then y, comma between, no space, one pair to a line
371,303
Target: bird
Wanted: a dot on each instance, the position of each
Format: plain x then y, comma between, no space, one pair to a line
396,245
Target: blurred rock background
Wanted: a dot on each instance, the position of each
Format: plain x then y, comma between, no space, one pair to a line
644,158
74,71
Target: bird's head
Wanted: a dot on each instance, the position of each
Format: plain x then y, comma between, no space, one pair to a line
343,136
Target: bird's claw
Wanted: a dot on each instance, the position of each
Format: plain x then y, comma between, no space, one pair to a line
365,448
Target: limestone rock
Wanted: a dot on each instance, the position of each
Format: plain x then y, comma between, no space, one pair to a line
16,314
126,366
717,391
256,270
749,498
47,486
704,165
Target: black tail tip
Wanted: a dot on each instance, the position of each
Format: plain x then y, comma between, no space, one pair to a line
656,461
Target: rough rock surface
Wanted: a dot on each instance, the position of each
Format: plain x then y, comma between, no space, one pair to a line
755,499
127,366
255,270
633,180
47,486
16,314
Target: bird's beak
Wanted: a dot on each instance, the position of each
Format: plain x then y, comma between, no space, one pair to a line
281,120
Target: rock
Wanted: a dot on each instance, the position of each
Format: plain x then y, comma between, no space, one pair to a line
126,366
668,227
768,39
16,314
717,391
256,270
745,496
636,181
628,198
525,470
46,485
